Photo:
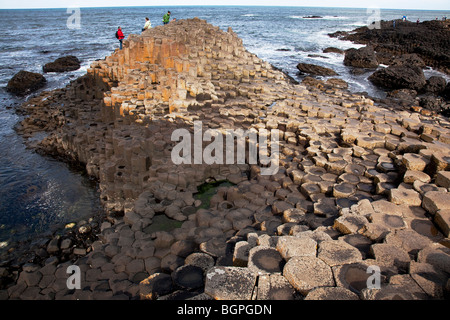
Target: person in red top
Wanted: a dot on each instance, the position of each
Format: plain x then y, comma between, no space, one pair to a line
120,36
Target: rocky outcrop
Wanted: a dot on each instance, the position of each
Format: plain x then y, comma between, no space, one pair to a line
429,40
25,82
408,60
63,64
407,49
361,58
356,185
399,77
315,70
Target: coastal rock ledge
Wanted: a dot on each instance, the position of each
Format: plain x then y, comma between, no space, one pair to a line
358,185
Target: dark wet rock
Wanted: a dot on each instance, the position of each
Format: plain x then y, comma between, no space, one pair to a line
400,77
312,69
432,103
435,84
312,17
359,71
333,50
403,94
429,40
188,277
200,259
63,64
25,82
317,56
446,92
361,58
385,58
410,60
156,285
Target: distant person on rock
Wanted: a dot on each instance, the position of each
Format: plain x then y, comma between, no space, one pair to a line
120,36
166,18
147,25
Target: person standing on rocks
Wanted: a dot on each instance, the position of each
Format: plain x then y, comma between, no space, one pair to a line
120,36
166,18
148,24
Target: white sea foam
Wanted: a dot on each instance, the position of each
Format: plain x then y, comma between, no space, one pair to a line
310,17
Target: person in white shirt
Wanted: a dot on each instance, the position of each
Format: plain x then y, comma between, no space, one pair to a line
147,25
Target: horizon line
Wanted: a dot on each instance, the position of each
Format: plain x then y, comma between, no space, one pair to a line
216,5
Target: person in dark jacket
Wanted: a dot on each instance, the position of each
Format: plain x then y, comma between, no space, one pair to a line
120,36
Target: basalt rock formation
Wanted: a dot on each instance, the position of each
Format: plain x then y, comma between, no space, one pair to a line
357,184
428,39
406,48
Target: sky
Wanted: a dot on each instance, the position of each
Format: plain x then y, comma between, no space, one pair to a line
385,4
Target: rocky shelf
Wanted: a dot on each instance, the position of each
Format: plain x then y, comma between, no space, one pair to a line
358,185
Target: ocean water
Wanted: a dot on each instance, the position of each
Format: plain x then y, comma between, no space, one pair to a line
37,192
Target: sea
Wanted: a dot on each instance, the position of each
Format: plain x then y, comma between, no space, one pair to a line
38,193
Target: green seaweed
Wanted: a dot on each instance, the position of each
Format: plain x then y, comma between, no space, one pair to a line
161,222
207,190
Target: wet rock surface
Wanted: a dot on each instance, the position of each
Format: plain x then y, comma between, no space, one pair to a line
25,82
399,77
406,48
63,64
427,39
361,58
357,185
312,69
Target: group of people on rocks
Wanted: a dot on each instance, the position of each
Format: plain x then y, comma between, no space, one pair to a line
148,25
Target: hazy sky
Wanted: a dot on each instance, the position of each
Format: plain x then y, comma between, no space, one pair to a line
388,4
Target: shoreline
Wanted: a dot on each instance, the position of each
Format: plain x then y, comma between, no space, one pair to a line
117,120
